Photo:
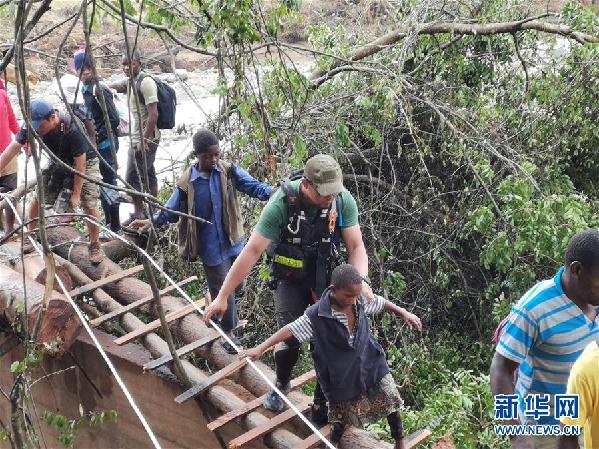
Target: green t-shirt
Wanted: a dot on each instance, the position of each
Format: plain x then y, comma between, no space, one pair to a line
274,215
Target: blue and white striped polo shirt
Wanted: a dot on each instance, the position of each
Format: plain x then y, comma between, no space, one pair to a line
545,334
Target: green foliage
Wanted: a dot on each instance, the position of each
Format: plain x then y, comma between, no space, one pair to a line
68,428
467,416
33,357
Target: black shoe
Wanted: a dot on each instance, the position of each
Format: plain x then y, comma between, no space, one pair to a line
320,414
273,401
229,347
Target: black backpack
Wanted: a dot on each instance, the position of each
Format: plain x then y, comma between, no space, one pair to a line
167,102
113,113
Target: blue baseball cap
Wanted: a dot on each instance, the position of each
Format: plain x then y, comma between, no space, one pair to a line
40,110
81,59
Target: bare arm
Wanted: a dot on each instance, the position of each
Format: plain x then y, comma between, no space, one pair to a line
255,353
78,180
11,151
150,127
239,270
502,382
355,248
357,255
409,318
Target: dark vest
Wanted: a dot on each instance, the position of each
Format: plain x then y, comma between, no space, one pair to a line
344,371
189,246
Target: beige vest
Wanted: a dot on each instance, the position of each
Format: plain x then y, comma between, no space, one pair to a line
189,246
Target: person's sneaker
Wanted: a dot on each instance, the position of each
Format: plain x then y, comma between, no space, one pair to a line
273,401
96,255
320,414
229,347
105,235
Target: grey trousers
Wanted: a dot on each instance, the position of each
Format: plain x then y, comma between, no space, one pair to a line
215,276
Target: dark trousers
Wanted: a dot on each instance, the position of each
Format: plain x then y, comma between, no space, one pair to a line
291,300
111,211
135,164
215,275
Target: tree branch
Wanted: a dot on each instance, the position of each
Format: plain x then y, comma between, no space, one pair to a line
462,29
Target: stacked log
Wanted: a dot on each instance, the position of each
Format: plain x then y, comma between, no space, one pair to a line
18,293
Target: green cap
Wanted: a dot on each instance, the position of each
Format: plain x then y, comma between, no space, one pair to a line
324,173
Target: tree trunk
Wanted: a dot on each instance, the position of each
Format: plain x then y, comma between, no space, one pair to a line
60,320
34,265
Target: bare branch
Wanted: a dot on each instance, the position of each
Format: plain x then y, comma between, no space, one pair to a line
463,29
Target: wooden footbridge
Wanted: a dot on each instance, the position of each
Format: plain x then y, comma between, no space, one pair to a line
227,391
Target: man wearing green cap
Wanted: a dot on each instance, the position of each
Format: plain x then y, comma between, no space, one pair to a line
304,221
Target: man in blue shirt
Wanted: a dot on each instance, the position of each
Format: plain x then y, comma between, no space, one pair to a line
545,333
208,190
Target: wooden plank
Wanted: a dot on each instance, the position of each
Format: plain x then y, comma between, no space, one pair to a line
417,438
107,280
412,440
252,405
313,440
183,350
216,377
186,310
140,302
267,427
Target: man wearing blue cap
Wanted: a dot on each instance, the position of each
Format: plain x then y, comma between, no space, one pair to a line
91,89
60,133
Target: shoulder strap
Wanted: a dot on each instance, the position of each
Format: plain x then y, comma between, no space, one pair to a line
140,78
290,195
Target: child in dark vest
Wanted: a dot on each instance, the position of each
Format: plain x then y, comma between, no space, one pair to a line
350,364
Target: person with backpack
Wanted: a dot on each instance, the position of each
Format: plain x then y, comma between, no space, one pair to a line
92,88
307,218
350,364
62,137
208,190
145,132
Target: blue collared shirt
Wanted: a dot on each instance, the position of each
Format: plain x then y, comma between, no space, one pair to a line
215,245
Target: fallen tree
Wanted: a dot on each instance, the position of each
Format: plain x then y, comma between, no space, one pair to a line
19,294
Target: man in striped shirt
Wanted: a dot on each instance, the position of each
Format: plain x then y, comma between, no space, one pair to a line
546,332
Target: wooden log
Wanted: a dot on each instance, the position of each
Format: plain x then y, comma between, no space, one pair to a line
105,281
34,265
60,320
216,377
275,422
182,351
139,303
176,315
219,396
314,440
252,405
